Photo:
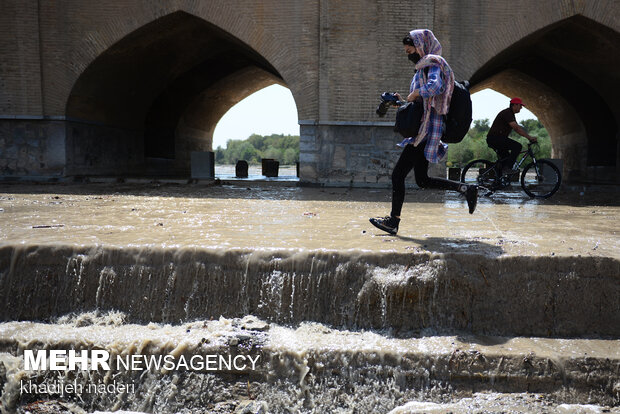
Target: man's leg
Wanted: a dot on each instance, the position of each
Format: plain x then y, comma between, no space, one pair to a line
500,145
513,148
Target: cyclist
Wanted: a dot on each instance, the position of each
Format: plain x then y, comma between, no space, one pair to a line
497,138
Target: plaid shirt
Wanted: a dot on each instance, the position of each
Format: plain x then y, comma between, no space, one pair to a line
434,150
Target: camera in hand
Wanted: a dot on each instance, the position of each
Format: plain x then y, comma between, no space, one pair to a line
387,99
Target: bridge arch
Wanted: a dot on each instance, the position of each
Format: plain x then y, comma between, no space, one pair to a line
567,74
155,95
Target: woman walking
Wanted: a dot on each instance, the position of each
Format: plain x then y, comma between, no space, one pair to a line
433,83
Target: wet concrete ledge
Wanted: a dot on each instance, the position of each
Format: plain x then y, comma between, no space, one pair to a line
400,294
287,181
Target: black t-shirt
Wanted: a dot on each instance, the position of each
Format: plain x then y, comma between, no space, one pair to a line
501,127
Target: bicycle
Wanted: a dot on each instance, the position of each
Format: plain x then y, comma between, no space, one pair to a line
540,178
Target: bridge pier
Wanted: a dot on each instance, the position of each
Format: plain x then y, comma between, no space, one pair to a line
347,153
32,146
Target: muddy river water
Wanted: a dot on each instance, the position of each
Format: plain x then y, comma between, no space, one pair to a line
307,218
515,308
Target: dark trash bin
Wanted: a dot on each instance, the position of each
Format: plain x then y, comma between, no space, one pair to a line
454,174
270,167
241,169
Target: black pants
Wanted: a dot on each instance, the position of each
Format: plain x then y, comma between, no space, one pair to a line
507,149
413,158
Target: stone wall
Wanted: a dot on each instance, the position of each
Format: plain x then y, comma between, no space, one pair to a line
32,147
348,154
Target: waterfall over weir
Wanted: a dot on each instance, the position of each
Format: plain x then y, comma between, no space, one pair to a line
347,331
401,293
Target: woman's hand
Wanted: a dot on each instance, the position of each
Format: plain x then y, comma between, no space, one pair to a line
413,96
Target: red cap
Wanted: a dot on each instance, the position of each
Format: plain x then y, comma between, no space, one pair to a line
516,101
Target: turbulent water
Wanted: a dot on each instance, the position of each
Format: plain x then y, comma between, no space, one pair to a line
490,312
402,293
311,368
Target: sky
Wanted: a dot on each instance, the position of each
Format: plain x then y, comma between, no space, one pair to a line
272,110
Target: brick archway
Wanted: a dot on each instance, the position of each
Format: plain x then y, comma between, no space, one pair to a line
150,99
566,72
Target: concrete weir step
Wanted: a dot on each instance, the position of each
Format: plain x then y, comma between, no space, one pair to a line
399,292
309,367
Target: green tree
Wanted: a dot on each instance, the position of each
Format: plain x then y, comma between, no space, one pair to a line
273,152
535,129
474,145
290,156
220,155
480,128
284,148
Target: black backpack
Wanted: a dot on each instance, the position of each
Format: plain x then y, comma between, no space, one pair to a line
458,119
409,118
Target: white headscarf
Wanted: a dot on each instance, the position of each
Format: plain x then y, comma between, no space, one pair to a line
430,47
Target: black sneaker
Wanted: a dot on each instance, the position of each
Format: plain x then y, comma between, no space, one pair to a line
387,223
471,195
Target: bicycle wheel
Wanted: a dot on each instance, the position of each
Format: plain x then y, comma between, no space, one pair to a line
479,172
541,180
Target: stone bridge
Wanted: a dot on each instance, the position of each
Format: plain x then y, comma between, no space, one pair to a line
133,87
